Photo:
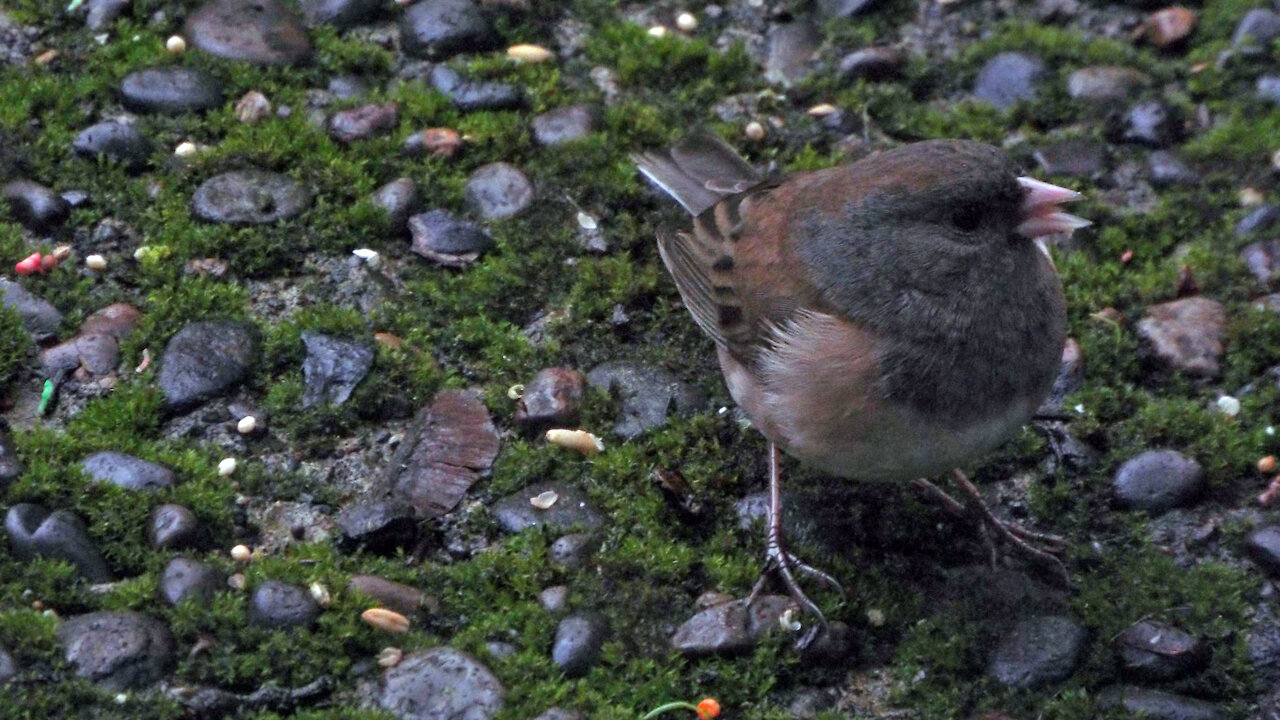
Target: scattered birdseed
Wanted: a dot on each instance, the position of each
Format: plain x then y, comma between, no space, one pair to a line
226,466
580,440
657,31
320,594
241,553
390,657
754,131
1229,406
529,53
386,620
687,22
95,262
247,424
544,500
175,44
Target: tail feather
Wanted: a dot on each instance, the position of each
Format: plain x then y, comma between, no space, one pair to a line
698,171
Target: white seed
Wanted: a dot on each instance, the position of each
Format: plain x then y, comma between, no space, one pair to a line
241,553
95,262
580,440
175,44
821,110
185,149
657,31
586,222
247,424
1229,406
226,466
544,500
320,594
687,22
529,53
386,620
366,254
515,392
1250,196
875,617
390,657
122,698
754,131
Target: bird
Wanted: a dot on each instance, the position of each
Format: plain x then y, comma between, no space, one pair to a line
890,319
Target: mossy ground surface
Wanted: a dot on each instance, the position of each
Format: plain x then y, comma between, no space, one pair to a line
464,329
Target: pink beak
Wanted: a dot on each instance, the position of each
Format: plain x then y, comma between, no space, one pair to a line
1040,213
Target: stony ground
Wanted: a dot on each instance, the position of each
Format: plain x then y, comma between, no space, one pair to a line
291,295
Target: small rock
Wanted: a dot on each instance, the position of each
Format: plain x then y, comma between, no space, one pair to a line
452,442
1263,546
1262,258
574,549
1078,158
186,578
515,513
468,95
126,471
171,90
40,318
102,13
554,599
498,649
404,599
1158,705
1166,169
498,191
1152,123
1268,89
879,62
274,604
1258,28
1037,652
730,627
788,50
173,527
1008,78
441,684
1258,219
118,142
10,465
348,87
378,526
333,368
249,197
441,28
646,395
847,8
444,239
1157,652
579,638
1186,335
1170,27
553,398
34,532
262,32
204,360
8,668
1106,83
399,199
338,13
562,125
117,650
1157,480
364,122
37,207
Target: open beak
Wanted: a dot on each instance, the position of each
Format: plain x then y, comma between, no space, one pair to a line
1040,213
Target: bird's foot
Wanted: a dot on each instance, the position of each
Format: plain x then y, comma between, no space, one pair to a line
781,564
1039,549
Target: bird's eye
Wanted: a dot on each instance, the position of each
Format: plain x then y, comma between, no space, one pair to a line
967,218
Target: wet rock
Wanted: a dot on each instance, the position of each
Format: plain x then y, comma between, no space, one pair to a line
275,604
1158,705
1008,78
441,684
95,350
34,532
562,125
392,595
729,627
115,141
117,650
1263,546
646,395
37,207
468,95
173,527
1106,83
1157,652
1186,335
1258,219
553,398
498,191
1038,651
333,368
452,443
399,199
10,465
1258,28
847,8
171,90
339,13
1152,123
554,599
204,360
40,318
579,638
447,240
185,578
1264,646
515,513
788,50
263,32
1166,169
8,668
364,122
1267,88
441,28
126,471
1262,258
574,549
879,62
1157,480
378,526
102,13
249,197
1169,28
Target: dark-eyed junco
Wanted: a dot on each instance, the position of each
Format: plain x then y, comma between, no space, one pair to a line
891,319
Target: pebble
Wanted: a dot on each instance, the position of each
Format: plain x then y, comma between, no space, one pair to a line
262,32
396,596
1166,169
10,466
348,87
204,360
579,639
37,207
274,604
1186,335
117,650
171,90
103,13
39,317
1258,28
249,197
338,13
8,668
646,394
447,240
1170,27
442,28
1156,652
1262,258
184,578
879,62
498,191
1158,704
35,532
788,49
571,509
1267,88
1009,78
554,599
1106,83
468,95
1263,546
399,200
441,684
553,398
126,471
378,526
565,124
364,122
118,142
1039,651
574,549
1152,123
1084,158
730,627
1157,481
173,527
452,442
333,368
1260,218
252,107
